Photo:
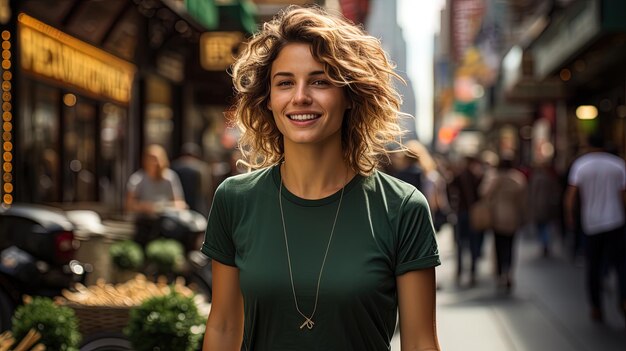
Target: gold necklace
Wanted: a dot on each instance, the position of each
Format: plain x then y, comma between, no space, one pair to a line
308,321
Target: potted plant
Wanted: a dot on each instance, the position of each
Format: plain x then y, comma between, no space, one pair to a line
57,325
169,322
165,255
127,257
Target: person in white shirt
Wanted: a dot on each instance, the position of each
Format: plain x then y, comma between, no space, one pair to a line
599,178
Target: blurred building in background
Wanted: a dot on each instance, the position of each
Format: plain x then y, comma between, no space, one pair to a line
383,24
530,78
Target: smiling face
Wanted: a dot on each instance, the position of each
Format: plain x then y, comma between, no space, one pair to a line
307,107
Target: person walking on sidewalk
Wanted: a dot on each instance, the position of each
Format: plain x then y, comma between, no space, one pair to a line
599,178
315,249
464,194
508,201
544,203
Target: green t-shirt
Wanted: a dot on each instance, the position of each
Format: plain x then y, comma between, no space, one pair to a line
383,230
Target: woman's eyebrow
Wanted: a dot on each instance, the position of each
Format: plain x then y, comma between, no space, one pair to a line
288,74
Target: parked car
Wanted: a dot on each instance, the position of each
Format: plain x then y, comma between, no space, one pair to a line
37,248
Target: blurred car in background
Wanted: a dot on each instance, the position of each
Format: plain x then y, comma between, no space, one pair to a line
37,248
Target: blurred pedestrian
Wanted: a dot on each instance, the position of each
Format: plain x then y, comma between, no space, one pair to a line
432,185
508,201
151,190
195,177
544,203
316,249
600,179
405,166
464,194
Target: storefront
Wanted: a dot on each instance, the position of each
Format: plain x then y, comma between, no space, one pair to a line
585,49
87,84
67,105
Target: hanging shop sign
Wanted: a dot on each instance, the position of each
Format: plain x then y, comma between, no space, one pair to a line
219,49
53,54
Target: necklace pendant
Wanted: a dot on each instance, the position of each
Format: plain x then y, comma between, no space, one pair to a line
307,323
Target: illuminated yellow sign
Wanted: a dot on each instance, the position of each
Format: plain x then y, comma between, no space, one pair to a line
51,53
218,49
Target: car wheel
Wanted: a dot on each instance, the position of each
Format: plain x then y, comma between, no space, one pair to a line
107,342
6,311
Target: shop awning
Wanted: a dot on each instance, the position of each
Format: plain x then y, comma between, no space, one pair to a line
578,28
233,15
238,16
204,11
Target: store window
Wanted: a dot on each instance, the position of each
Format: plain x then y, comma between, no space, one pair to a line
39,143
79,145
113,170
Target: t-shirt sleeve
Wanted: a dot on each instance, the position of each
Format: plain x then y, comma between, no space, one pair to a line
417,244
133,182
572,178
218,243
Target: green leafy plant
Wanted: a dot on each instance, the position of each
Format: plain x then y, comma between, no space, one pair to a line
169,322
126,254
57,325
167,254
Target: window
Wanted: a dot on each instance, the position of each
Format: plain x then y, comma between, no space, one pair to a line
39,143
79,146
113,144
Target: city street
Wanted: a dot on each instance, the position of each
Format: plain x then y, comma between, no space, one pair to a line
547,309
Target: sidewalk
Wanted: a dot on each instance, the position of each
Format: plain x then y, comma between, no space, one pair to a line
547,309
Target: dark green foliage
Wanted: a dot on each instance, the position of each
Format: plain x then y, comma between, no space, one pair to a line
57,325
167,254
126,254
169,322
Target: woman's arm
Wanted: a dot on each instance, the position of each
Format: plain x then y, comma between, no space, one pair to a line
416,304
134,205
224,328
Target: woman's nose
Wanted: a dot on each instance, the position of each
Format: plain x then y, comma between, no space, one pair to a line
302,95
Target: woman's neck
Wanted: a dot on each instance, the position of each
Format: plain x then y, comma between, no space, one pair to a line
312,174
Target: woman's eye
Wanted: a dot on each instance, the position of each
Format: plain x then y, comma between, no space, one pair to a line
321,82
283,83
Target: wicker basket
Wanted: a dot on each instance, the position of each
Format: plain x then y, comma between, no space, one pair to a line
100,319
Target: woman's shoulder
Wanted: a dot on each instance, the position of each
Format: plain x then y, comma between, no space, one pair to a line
248,182
137,177
391,187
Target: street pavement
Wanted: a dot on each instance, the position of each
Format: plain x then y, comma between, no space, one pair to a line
547,309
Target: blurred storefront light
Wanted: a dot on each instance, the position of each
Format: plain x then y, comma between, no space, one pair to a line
7,121
586,112
69,100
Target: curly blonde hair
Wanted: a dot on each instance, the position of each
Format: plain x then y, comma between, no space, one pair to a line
352,60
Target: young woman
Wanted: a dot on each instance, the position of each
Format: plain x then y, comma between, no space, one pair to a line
316,250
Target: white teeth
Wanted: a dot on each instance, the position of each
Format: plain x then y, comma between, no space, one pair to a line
303,117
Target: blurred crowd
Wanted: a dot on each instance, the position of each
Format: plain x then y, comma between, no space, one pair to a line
578,215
